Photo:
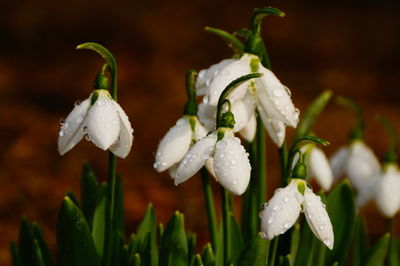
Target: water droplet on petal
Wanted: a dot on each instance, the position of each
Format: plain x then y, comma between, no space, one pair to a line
277,92
79,119
61,133
286,225
270,220
100,102
327,242
264,235
277,207
288,91
234,181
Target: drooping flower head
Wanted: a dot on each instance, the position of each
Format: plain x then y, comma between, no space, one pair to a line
101,120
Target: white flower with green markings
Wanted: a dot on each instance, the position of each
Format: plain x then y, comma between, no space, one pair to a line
103,122
283,209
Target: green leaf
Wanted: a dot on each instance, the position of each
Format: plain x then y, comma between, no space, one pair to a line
394,250
312,112
16,259
379,250
45,252
73,197
119,207
207,256
287,261
74,240
234,42
191,239
305,249
38,254
360,242
294,241
26,244
341,210
236,239
197,260
147,237
255,253
136,260
99,220
89,190
174,249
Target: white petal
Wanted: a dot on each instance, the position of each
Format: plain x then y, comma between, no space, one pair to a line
231,165
199,131
317,218
249,131
174,145
318,167
124,144
72,129
103,122
387,194
338,162
172,170
362,164
195,158
243,111
206,75
228,74
206,114
275,128
210,167
281,212
366,192
275,98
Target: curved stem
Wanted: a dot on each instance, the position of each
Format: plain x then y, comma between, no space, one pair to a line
225,93
234,42
294,148
191,105
209,201
112,65
260,13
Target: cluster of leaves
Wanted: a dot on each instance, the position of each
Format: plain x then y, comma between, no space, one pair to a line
80,237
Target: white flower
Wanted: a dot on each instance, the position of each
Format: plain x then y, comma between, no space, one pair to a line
360,165
271,97
177,141
283,209
227,157
317,165
387,196
243,111
102,120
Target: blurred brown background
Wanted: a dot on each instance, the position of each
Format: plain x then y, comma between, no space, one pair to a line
351,48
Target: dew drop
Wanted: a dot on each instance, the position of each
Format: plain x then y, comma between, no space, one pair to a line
155,165
321,227
277,207
285,199
277,92
79,119
61,133
288,91
270,220
100,103
234,181
286,225
327,242
208,82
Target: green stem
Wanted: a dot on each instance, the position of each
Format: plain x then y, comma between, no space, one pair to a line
358,130
225,226
209,201
283,154
262,166
391,154
389,225
234,42
272,251
112,160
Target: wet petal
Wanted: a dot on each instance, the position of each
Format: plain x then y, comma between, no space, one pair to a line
281,212
249,131
72,129
317,218
199,131
205,76
206,114
225,76
243,111
195,158
362,164
275,98
387,194
338,162
174,145
231,165
124,144
275,128
319,168
103,122
210,167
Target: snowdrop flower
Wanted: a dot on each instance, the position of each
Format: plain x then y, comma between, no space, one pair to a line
360,165
103,122
229,161
177,141
270,96
387,196
283,209
317,165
